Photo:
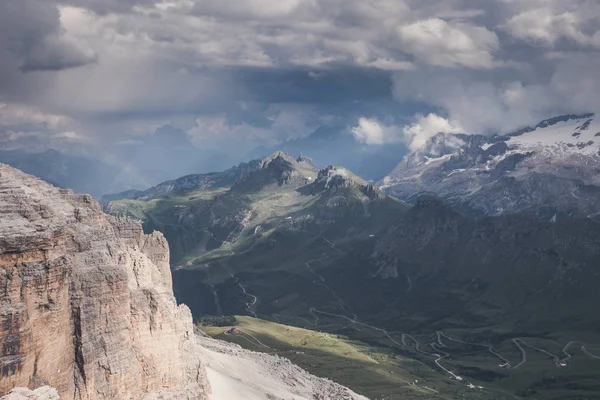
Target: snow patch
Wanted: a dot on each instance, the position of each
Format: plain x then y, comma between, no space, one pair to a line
429,160
563,138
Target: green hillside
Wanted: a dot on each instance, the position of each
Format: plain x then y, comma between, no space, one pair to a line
326,251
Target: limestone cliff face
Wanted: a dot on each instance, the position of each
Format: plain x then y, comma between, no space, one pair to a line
86,301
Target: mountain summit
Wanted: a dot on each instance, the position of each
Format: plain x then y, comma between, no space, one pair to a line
546,170
337,179
278,168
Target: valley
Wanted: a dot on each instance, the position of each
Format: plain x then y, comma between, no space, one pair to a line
454,366
324,250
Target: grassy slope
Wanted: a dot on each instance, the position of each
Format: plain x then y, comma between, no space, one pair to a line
370,366
271,265
375,372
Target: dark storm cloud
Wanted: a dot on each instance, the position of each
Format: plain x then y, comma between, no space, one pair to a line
30,31
333,86
271,69
110,6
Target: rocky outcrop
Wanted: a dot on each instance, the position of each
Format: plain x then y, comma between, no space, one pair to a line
43,393
87,302
236,373
277,169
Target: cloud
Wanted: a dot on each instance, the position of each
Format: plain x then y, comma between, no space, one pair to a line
414,135
55,53
32,32
12,115
232,74
251,9
103,7
437,42
282,123
550,22
425,127
371,132
503,104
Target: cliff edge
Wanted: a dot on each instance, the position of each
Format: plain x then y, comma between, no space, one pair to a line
87,305
87,312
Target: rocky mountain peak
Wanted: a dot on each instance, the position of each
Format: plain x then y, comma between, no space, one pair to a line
277,158
553,121
335,179
305,159
278,168
338,177
529,170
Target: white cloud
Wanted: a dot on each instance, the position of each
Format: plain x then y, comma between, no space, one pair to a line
370,131
317,33
501,106
542,26
545,23
425,127
12,114
437,42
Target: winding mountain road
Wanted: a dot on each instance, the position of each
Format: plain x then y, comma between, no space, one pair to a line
583,349
395,342
254,298
520,343
333,246
490,348
322,282
440,335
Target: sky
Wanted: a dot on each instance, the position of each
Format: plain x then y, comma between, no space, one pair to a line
238,74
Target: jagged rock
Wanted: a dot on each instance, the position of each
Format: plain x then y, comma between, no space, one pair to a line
279,168
87,304
43,393
269,377
305,159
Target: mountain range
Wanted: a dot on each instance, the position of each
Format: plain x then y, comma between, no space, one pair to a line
133,164
88,313
83,174
282,206
472,266
549,170
285,241
335,145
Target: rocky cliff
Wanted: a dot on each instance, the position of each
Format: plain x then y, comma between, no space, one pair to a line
87,312
87,303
